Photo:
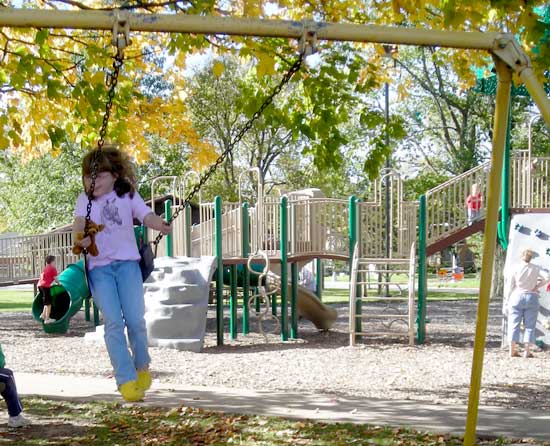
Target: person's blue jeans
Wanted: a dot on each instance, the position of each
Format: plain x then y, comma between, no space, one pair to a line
117,290
10,392
523,307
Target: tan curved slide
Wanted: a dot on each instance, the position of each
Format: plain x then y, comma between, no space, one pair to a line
309,305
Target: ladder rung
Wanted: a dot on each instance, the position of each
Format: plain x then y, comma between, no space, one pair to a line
381,316
364,333
384,261
379,266
383,298
384,271
380,283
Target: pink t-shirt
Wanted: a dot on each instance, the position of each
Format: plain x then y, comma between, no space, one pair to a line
117,240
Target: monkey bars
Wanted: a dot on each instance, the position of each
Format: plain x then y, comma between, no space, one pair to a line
508,55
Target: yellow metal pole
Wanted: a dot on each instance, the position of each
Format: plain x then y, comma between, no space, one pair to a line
28,18
489,241
537,92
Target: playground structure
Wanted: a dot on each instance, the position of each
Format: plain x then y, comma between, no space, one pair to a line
289,232
316,228
509,58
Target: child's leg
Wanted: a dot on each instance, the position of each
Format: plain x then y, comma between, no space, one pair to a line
130,291
103,283
43,314
47,296
10,393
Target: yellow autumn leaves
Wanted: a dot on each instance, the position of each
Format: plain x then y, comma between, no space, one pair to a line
54,80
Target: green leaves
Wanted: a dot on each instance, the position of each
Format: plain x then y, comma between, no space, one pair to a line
371,119
41,36
53,88
57,136
4,78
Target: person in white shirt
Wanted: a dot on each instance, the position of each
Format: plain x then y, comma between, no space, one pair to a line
523,303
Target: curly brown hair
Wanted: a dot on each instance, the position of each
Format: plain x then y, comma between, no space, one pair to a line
112,159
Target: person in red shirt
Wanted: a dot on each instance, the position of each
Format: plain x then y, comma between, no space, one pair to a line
47,278
474,202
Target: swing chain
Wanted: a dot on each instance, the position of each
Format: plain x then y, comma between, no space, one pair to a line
245,128
111,82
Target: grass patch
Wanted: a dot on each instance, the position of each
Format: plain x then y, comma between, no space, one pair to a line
449,295
101,423
16,300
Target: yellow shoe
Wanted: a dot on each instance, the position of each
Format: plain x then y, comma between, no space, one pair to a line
144,379
130,391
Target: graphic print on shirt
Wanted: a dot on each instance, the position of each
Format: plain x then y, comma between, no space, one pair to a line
109,214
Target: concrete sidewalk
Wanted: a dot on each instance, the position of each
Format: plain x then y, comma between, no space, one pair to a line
495,421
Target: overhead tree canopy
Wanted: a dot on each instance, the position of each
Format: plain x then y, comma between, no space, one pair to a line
52,81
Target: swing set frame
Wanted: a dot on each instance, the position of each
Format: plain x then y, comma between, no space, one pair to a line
508,56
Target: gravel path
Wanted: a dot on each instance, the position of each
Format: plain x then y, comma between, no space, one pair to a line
322,362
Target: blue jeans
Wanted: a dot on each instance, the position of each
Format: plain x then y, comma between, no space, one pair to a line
117,289
523,306
10,393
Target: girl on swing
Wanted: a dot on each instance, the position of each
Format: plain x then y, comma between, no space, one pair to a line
114,274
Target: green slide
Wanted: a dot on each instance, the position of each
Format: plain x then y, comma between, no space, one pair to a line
67,298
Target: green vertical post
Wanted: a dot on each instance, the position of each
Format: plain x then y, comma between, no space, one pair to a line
353,239
284,268
169,237
219,273
245,250
422,272
294,300
233,302
504,223
319,278
96,314
188,225
257,303
274,304
87,304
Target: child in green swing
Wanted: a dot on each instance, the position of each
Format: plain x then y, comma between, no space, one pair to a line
114,274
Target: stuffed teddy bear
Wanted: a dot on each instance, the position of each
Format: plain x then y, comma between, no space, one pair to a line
92,231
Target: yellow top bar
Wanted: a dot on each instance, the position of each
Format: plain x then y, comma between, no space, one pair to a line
29,18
